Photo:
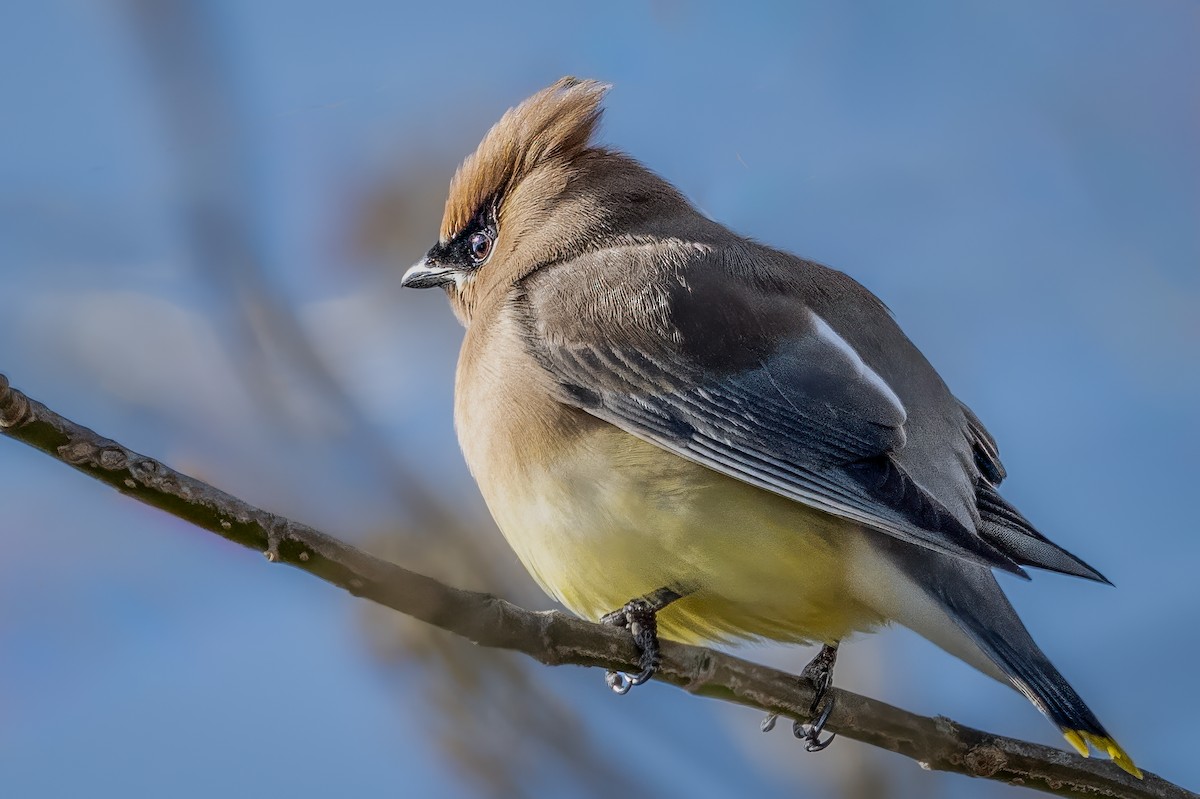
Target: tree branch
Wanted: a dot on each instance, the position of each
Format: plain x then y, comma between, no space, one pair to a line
554,638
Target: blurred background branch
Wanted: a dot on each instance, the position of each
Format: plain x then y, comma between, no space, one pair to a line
554,638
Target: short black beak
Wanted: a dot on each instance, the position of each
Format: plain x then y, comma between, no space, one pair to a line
424,275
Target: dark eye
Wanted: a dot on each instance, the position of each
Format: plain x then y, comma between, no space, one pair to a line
480,245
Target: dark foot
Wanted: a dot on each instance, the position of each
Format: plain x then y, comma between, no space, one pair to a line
639,617
819,672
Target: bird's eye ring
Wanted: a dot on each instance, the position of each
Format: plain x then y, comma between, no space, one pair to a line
480,247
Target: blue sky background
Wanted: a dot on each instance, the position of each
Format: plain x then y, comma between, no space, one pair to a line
1019,181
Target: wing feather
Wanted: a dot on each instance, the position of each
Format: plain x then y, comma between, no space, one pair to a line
775,397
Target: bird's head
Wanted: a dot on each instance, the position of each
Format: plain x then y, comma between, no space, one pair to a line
535,192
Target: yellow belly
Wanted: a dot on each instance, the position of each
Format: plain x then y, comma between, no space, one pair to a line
612,518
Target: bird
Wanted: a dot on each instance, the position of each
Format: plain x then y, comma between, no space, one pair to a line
687,433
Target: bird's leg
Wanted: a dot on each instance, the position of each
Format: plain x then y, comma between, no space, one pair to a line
639,617
819,672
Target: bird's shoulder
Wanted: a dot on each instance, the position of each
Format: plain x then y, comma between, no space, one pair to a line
670,337
720,304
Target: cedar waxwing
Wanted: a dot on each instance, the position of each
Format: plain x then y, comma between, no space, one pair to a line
676,426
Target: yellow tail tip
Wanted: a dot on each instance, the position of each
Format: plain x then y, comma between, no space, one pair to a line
1076,741
1080,740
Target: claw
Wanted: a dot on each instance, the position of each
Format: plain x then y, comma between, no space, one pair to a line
618,681
811,734
819,672
639,617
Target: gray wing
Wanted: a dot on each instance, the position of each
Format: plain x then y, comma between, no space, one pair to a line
685,351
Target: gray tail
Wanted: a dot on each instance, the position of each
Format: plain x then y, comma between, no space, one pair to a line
970,597
976,603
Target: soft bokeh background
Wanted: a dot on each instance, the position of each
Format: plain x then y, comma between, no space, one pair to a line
204,212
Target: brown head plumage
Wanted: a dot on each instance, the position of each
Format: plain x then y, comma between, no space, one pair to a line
554,125
537,191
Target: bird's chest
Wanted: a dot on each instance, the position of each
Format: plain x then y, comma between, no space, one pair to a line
599,517
571,499
598,520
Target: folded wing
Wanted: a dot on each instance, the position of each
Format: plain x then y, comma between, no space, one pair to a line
675,346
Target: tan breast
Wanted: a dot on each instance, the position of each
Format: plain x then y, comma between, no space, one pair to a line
599,517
